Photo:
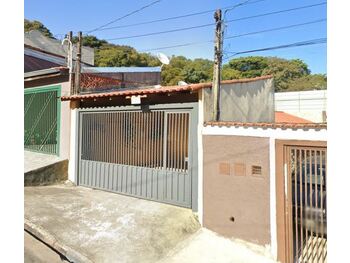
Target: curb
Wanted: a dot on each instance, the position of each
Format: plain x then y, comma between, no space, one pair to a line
50,240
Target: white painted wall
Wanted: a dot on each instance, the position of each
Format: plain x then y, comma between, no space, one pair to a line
73,149
200,156
273,135
65,122
309,105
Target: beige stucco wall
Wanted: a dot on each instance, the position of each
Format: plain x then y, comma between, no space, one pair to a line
236,205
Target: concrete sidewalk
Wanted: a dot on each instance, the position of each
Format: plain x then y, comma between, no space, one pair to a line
44,169
34,160
206,246
97,226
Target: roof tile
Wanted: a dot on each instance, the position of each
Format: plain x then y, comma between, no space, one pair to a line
317,126
163,89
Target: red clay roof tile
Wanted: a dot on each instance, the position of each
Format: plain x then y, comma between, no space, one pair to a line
283,117
163,89
316,126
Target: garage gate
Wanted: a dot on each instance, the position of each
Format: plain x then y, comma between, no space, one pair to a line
143,153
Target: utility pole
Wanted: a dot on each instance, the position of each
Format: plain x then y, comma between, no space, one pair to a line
217,66
78,64
70,61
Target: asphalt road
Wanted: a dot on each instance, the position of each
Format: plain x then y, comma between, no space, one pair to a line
37,252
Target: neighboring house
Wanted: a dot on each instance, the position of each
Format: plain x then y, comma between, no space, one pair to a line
46,79
41,52
310,105
46,118
125,77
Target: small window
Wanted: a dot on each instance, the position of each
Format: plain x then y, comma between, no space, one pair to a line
224,168
240,169
256,170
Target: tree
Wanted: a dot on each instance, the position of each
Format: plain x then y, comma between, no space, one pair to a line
36,25
249,67
91,41
288,74
284,71
309,82
229,73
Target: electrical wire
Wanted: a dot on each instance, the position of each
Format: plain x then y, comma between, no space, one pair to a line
297,44
124,16
174,17
212,24
240,35
162,32
276,12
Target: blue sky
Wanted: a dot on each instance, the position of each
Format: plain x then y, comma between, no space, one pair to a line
62,16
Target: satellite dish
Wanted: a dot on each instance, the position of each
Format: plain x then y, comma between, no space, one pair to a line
163,59
182,83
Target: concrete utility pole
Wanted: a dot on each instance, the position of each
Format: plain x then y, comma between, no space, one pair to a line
78,64
70,61
217,66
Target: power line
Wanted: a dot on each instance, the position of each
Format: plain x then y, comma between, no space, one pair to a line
211,24
297,44
173,17
276,12
124,16
179,45
278,28
240,35
162,32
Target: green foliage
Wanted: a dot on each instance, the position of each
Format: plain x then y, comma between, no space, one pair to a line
249,67
36,25
288,75
91,41
190,71
123,56
229,73
309,82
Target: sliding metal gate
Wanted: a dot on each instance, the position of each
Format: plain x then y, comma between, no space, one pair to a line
143,154
306,204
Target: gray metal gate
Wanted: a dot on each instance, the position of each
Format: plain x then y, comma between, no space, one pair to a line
146,154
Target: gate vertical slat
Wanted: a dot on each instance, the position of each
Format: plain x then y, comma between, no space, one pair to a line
316,201
146,139
295,198
301,201
310,196
306,159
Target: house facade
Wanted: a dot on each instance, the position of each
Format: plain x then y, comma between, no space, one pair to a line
159,143
242,174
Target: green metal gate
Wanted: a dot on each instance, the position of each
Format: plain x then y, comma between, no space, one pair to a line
42,119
